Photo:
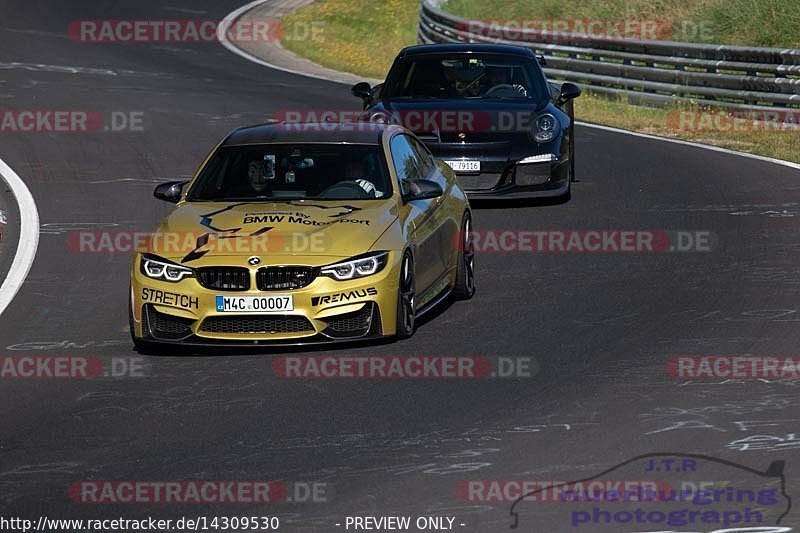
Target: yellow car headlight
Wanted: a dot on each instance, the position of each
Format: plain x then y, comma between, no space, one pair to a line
357,267
156,267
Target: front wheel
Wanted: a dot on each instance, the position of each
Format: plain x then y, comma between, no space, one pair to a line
406,315
465,270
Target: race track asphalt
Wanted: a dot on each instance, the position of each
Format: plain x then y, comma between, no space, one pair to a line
600,326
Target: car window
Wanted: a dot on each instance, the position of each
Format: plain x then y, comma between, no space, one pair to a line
466,76
406,160
293,171
428,163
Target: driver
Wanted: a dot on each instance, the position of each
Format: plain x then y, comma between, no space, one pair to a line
500,76
258,182
355,172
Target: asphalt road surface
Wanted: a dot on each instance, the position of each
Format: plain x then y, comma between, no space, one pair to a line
600,326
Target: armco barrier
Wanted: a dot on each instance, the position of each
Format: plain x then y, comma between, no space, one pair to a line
647,72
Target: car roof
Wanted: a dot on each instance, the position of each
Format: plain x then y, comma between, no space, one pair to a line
466,48
309,132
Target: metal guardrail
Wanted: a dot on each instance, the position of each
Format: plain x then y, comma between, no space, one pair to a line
647,72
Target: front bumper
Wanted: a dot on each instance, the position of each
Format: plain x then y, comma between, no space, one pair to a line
324,311
509,175
535,178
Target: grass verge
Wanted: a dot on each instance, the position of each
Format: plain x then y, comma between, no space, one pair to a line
692,123
358,36
741,22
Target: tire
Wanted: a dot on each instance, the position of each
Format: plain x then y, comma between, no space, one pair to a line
567,196
406,315
572,152
464,287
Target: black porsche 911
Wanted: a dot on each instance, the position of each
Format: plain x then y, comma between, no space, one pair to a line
488,111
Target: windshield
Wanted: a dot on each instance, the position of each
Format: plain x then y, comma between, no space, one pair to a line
293,171
472,76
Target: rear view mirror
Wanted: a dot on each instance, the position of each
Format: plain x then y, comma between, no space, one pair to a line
170,191
363,90
422,190
568,92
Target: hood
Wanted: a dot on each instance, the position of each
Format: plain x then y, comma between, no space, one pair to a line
480,104
203,230
495,119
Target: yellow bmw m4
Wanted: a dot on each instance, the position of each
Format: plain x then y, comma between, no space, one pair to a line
304,233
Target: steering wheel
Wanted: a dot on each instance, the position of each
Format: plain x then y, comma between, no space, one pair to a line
500,88
345,190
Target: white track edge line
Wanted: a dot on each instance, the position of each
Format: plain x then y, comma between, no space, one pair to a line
228,20
28,236
690,143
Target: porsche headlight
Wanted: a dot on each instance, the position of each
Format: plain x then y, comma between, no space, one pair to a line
158,268
358,267
545,129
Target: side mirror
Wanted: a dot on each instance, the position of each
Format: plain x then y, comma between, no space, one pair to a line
170,191
542,61
568,92
363,90
422,190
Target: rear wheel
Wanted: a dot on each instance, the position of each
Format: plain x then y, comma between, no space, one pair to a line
465,270
406,316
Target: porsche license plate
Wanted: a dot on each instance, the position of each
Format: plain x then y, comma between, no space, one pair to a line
465,166
276,303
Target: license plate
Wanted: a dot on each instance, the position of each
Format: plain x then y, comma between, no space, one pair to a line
276,303
465,166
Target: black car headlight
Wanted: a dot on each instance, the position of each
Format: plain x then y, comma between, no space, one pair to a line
357,267
545,129
156,267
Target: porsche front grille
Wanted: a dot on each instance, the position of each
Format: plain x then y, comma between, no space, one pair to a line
477,182
284,277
